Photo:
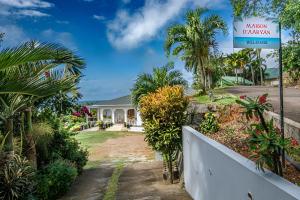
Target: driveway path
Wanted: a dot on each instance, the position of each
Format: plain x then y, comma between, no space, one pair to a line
141,177
291,98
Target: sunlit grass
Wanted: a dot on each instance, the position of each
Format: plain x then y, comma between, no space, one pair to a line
89,139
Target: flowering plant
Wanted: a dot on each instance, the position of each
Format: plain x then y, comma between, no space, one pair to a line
265,140
83,111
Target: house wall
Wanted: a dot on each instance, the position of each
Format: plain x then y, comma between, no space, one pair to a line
214,172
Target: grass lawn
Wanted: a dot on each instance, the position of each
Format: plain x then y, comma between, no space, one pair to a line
90,139
220,98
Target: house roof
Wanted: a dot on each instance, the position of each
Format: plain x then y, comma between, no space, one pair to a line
124,100
272,73
231,80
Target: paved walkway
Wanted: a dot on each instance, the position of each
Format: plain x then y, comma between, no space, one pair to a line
291,98
141,177
117,127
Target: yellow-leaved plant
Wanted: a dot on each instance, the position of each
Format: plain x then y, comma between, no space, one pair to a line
163,113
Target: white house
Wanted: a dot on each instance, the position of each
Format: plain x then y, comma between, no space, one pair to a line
117,111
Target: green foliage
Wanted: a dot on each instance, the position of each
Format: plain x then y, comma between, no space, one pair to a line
55,179
209,124
291,60
63,146
160,77
265,140
290,15
16,179
265,145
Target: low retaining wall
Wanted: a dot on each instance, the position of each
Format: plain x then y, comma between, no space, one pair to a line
291,128
214,172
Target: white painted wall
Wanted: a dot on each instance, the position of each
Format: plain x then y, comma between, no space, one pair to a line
214,172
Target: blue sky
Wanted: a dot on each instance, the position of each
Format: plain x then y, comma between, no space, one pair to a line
117,38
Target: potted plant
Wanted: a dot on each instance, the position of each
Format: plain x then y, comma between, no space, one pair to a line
100,124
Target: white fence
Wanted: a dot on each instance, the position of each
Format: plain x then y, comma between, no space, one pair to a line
214,172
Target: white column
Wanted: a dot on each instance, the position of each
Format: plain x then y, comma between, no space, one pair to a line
86,116
138,118
98,114
101,114
125,115
113,115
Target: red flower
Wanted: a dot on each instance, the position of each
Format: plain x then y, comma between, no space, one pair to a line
243,97
294,142
258,132
77,114
47,74
262,99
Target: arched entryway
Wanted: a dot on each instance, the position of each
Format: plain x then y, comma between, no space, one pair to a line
107,115
119,116
131,116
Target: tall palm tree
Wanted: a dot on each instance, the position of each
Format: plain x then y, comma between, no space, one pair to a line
160,77
194,41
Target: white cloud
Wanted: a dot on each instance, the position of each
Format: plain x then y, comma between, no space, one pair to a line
27,8
127,31
130,30
32,13
99,17
26,3
63,38
14,35
62,22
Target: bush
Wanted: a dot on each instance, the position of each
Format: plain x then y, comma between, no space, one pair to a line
163,114
65,147
16,179
209,124
55,180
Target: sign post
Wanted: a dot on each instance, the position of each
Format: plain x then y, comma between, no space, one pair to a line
261,33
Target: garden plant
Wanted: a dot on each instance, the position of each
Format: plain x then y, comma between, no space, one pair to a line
163,113
265,140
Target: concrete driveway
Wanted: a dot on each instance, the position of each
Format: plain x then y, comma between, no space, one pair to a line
291,98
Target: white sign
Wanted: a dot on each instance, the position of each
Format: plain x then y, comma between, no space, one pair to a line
256,32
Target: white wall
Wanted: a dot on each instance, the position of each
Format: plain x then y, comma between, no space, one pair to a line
214,172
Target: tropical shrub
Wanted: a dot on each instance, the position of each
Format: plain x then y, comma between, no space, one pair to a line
100,124
63,146
55,179
209,124
163,114
16,179
265,140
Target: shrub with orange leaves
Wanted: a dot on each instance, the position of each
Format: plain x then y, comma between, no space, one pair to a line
163,113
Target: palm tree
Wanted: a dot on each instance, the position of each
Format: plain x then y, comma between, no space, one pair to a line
160,77
194,40
31,72
232,62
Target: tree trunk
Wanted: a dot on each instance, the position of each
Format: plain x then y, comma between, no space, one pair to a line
260,68
236,76
203,79
253,75
170,160
31,152
9,140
